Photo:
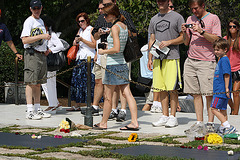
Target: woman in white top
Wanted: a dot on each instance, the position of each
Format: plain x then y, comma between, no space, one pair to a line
87,45
50,89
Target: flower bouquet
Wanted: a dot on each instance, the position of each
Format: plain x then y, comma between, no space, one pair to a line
66,125
213,138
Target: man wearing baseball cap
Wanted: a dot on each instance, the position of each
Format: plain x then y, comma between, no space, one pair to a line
34,38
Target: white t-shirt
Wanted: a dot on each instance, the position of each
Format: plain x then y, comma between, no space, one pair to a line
55,44
30,27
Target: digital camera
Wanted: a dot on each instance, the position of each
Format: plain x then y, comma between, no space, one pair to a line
188,25
102,46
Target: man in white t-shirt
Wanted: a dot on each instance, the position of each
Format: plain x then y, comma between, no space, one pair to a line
34,38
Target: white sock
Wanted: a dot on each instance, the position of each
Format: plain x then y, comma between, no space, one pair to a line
115,110
159,104
124,110
95,107
29,107
155,103
198,122
226,124
221,128
37,107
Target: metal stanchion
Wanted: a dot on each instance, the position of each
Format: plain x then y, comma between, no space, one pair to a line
88,119
16,81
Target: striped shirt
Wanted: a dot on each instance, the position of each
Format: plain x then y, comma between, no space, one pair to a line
117,58
200,48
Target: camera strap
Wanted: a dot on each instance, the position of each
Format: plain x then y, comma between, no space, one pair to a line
116,21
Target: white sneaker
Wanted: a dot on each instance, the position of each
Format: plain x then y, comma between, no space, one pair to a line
32,115
161,122
158,109
43,114
153,108
172,122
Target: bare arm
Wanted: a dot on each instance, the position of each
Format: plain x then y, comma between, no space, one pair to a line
116,42
28,40
150,56
208,36
186,38
13,48
176,41
226,80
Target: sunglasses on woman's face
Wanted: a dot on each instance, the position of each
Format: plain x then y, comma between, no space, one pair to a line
232,26
81,21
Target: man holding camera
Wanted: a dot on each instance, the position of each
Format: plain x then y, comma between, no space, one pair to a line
199,32
101,31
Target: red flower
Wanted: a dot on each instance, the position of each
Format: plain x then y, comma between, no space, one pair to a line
17,133
67,131
62,130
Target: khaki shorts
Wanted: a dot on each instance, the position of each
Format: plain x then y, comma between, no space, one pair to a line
166,76
35,68
198,76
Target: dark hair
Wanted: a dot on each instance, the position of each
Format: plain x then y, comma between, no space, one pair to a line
48,21
100,2
229,36
85,16
199,2
221,44
112,9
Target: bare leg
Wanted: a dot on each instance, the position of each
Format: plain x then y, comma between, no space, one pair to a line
198,104
123,100
107,106
132,105
236,98
230,103
219,115
210,114
156,96
115,97
28,93
165,102
98,91
173,102
36,92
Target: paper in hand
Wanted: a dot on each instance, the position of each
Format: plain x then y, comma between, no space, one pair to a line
157,52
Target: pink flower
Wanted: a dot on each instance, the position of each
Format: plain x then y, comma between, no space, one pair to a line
205,148
57,136
199,147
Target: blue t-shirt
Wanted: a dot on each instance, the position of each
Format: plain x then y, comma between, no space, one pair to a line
4,33
223,67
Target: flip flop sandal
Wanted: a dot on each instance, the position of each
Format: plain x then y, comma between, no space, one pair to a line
129,129
96,127
73,108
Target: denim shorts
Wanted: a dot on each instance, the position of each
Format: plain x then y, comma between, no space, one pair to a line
121,70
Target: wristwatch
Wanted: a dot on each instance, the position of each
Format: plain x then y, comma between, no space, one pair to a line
202,32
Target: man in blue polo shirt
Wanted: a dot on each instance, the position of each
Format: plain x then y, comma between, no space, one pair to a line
6,37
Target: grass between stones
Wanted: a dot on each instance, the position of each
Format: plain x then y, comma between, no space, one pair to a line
105,152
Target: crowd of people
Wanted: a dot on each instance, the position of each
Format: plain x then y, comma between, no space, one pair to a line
105,43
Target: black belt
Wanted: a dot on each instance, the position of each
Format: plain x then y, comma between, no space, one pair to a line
32,50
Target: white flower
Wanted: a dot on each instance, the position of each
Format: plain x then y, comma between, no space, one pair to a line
230,153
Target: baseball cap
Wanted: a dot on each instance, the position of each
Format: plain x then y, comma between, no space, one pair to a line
35,3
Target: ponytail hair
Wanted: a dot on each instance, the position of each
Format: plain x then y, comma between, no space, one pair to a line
112,9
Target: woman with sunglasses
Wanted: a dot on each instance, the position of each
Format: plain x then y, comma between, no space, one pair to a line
234,57
117,40
87,45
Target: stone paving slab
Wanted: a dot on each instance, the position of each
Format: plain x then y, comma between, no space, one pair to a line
13,158
70,156
15,151
85,148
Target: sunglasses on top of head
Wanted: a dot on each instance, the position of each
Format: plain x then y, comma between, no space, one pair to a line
232,26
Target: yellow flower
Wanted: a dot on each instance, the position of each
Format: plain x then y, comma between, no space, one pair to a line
64,125
133,137
213,138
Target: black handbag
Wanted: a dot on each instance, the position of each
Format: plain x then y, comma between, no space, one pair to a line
132,50
145,81
55,61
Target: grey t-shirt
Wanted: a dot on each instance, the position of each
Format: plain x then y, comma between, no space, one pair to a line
166,27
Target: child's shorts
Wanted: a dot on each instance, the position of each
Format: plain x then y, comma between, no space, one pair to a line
219,103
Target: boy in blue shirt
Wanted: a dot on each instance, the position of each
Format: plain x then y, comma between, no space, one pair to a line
222,84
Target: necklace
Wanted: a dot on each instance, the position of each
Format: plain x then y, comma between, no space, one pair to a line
232,40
